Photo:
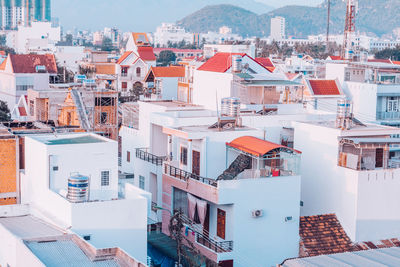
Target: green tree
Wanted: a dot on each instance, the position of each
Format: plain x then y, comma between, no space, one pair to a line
389,53
166,57
107,44
4,111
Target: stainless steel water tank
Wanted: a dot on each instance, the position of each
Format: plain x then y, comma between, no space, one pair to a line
78,188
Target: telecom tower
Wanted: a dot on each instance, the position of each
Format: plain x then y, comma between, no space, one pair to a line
350,48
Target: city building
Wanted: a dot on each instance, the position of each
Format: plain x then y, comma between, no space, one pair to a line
130,71
21,72
180,53
170,33
211,49
278,28
162,82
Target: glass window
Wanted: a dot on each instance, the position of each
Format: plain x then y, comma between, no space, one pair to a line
141,182
183,155
105,178
180,201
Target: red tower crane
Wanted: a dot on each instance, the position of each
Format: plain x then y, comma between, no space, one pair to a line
350,48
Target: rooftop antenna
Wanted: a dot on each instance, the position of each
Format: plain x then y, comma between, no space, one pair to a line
216,100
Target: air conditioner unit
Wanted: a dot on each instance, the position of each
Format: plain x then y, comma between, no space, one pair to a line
257,213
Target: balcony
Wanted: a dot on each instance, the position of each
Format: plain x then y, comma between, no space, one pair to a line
388,115
185,176
142,154
216,246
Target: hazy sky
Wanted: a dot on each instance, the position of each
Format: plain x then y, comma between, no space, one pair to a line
142,15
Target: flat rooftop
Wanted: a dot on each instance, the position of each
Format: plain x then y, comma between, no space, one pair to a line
26,227
65,252
173,104
68,139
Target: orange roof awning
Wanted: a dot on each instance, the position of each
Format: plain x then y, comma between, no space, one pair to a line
255,146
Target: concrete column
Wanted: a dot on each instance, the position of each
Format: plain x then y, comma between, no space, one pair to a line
189,155
169,148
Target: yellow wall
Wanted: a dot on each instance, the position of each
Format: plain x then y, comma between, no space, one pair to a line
8,169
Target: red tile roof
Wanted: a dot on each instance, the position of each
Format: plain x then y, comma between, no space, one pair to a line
140,38
220,62
177,50
28,63
336,58
266,63
3,64
324,87
396,62
387,243
146,53
124,56
171,71
323,234
254,146
388,61
22,111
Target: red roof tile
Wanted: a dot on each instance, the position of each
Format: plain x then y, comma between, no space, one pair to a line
336,58
28,63
146,53
22,111
254,146
220,62
323,234
171,71
124,56
324,87
388,61
266,63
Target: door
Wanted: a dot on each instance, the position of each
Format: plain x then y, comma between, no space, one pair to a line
153,187
228,263
221,221
379,158
206,227
196,162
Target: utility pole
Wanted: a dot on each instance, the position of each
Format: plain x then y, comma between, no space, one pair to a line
327,25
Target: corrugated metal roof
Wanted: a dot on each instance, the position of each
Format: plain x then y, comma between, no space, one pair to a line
65,253
27,227
375,258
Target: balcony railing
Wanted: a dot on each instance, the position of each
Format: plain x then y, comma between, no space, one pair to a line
214,245
217,246
184,175
388,115
142,154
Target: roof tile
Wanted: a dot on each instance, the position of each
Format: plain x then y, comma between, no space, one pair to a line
324,87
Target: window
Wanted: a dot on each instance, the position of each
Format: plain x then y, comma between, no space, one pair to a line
347,76
180,201
103,117
124,71
105,178
128,156
392,104
141,182
221,221
124,85
138,72
183,155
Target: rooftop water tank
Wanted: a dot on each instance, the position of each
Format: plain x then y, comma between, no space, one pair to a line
230,107
236,63
78,188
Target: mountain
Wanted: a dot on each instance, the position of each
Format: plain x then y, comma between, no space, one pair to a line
135,15
378,17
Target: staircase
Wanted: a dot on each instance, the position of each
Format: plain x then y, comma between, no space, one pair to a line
241,163
82,116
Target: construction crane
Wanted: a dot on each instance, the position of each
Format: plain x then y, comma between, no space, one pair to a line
350,49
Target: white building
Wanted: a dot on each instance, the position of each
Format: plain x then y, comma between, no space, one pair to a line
40,37
352,174
211,49
130,72
278,28
170,32
105,215
18,73
70,57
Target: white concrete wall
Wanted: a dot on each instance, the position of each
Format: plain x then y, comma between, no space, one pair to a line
335,71
169,89
210,87
70,57
364,97
268,240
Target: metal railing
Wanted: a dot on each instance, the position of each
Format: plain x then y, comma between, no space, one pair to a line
206,241
388,115
217,246
142,154
184,175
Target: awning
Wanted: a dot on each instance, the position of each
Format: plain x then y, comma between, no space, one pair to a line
255,146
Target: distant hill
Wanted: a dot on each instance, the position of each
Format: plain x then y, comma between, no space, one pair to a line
378,17
135,15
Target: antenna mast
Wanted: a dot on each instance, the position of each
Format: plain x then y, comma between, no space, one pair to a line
327,26
349,48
